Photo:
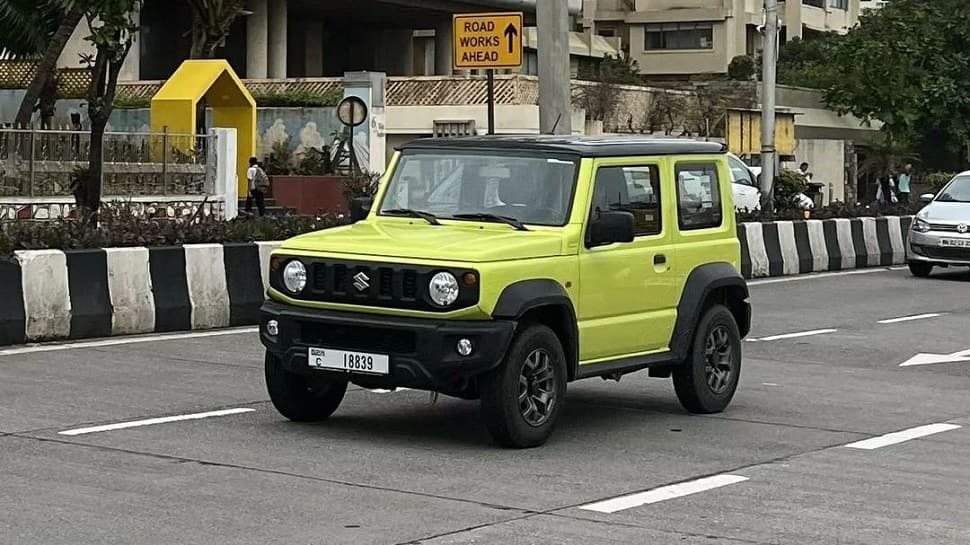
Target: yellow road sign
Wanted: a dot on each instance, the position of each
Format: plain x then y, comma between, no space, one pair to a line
487,40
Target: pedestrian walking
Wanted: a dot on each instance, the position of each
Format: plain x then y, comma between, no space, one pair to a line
905,179
258,183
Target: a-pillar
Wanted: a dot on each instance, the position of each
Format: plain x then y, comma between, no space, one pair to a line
369,138
313,36
277,38
257,39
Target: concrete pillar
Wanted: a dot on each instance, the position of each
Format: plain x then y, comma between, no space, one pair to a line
277,38
313,36
555,100
443,47
257,27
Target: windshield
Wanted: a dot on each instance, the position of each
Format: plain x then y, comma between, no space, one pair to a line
467,185
958,190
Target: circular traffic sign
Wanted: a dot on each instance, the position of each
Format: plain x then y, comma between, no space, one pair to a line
352,111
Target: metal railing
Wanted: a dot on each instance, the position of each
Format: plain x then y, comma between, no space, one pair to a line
36,163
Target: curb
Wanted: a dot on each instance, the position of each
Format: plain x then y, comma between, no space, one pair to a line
79,294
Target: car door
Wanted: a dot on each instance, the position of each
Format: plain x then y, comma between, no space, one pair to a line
626,305
745,190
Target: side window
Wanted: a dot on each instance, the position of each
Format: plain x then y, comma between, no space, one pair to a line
698,196
740,173
634,189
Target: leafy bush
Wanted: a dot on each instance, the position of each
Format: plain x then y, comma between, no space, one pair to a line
299,99
132,103
121,229
788,184
939,179
363,184
832,211
742,68
315,162
280,160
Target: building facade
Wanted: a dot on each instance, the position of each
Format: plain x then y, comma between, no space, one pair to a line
687,37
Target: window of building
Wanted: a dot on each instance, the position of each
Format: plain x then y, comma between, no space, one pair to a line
815,3
698,196
679,36
839,4
633,189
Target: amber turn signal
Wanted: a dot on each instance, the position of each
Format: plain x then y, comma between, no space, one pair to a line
469,279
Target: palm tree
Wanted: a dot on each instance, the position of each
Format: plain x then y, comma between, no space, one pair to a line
37,29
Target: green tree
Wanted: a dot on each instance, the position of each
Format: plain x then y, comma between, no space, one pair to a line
112,31
600,97
907,65
38,30
808,62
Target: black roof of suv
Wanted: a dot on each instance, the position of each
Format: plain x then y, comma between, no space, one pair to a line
584,146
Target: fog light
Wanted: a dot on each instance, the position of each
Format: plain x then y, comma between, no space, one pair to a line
273,327
464,347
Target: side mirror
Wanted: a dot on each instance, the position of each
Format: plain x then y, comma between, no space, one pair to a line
360,208
611,227
927,197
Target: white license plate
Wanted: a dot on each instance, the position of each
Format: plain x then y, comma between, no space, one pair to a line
955,242
354,362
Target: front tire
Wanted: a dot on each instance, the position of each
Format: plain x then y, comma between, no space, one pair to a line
920,269
706,382
522,398
302,398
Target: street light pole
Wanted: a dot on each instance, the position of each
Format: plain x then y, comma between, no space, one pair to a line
769,57
555,96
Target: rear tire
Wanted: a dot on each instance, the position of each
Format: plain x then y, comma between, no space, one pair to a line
522,398
302,398
706,382
920,269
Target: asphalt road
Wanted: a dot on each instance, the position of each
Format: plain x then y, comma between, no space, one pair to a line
798,458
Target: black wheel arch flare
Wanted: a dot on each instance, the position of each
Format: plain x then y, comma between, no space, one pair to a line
707,284
545,298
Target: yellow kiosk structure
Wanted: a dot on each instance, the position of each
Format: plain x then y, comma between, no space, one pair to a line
744,132
173,108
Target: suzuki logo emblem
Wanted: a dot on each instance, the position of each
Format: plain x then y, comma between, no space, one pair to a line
962,228
361,281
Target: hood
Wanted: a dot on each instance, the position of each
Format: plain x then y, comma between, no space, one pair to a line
446,242
946,212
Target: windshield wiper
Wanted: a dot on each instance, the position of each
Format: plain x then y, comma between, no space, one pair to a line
426,216
493,217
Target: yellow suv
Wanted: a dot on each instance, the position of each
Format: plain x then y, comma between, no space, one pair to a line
502,268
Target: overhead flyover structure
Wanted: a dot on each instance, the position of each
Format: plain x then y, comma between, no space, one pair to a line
174,107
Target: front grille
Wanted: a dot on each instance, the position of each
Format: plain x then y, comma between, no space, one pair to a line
936,252
370,339
943,227
385,285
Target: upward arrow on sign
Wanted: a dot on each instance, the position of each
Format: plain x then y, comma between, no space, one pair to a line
511,32
932,359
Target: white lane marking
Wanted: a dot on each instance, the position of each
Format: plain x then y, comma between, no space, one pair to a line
910,318
902,436
932,359
383,391
125,340
151,421
818,276
663,493
793,335
769,384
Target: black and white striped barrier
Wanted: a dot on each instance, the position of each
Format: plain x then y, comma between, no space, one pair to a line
54,295
785,248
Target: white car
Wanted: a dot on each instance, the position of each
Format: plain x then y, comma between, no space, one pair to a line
747,192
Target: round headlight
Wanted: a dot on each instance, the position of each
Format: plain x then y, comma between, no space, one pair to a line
294,276
443,289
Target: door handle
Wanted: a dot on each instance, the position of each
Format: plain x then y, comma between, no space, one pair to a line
659,259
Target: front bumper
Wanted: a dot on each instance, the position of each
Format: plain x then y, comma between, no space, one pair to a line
926,248
422,351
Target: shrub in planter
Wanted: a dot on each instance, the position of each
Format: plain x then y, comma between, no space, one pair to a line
119,228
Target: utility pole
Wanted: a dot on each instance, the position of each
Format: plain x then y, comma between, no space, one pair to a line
555,93
769,56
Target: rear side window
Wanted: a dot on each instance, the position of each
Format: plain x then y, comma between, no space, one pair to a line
698,196
634,189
